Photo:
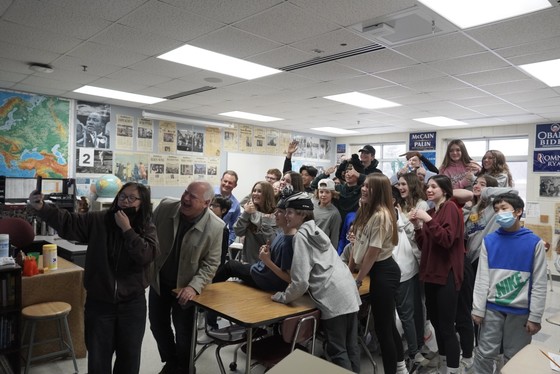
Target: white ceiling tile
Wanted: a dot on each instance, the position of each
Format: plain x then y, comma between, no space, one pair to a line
36,38
41,90
138,76
377,61
509,74
8,76
516,86
286,80
226,11
469,64
107,9
93,67
410,74
519,30
164,68
234,42
106,54
437,84
550,54
57,19
348,13
327,72
337,41
280,57
285,23
135,39
42,81
170,21
118,84
25,54
529,48
440,48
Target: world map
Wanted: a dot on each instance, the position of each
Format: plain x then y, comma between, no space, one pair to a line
33,135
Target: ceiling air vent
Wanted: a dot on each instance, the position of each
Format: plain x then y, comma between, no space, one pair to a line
190,92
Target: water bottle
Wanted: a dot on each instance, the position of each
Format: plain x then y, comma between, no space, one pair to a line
4,245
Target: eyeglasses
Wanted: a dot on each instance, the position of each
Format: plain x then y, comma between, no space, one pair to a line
131,199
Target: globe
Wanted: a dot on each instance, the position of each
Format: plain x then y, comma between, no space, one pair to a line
108,186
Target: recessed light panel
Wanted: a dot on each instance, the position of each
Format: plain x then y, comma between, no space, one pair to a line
440,121
119,95
362,100
546,71
251,116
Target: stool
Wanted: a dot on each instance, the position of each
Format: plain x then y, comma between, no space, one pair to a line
51,311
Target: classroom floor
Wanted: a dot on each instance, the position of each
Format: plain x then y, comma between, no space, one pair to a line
549,337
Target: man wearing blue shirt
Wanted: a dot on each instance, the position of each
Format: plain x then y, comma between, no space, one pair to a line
227,184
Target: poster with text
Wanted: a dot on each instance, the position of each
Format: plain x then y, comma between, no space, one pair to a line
546,161
259,141
167,135
172,171
231,139
422,141
246,138
157,170
324,148
548,136
145,135
285,139
212,165
199,167
212,142
186,171
272,141
125,132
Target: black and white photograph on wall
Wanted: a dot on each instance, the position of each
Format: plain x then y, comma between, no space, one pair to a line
186,169
93,126
325,148
549,186
100,163
200,169
185,140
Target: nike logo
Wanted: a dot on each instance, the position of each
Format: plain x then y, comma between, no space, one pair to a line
508,289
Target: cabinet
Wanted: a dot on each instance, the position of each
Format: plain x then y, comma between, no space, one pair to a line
10,319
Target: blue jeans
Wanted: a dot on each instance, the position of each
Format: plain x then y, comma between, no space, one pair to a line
115,328
164,309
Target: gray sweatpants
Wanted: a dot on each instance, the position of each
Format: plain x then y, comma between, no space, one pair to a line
499,329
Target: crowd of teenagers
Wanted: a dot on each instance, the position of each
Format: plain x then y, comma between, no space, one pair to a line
444,249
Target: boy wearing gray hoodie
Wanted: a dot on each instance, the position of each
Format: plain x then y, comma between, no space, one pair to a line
317,268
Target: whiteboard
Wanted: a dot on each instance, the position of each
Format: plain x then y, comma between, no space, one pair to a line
251,168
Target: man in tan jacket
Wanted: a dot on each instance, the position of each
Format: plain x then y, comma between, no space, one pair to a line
190,238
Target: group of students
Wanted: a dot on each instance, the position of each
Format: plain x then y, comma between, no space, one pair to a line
421,240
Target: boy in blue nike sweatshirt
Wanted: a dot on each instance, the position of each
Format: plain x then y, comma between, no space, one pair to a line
510,289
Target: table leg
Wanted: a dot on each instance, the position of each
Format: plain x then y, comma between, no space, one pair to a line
249,349
192,353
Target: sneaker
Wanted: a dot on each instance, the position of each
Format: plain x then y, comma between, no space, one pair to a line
204,339
426,352
421,360
201,322
465,367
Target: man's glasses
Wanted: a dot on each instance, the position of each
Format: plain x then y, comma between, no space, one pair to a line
131,199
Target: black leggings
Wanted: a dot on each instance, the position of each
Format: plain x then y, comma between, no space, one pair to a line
463,319
441,304
385,278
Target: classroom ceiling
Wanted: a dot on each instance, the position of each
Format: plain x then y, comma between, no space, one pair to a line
431,68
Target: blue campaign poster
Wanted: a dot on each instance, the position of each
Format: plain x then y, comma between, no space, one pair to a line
546,161
422,141
547,136
430,156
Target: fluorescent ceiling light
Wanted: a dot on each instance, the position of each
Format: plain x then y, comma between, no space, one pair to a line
251,116
119,95
440,121
213,61
335,130
546,71
470,13
362,100
185,120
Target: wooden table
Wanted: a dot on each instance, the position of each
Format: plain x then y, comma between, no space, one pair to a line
529,360
64,284
251,308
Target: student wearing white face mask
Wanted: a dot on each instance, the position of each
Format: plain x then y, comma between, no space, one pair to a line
510,287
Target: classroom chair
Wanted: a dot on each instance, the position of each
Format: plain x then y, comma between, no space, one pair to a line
294,332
